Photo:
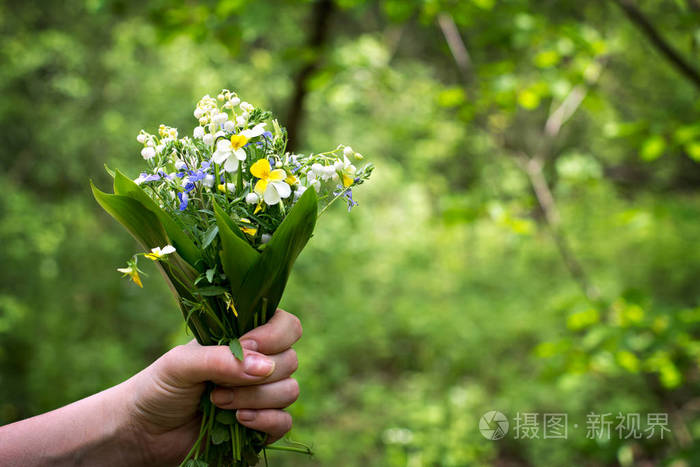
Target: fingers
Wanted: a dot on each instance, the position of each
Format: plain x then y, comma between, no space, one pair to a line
273,422
277,335
193,364
276,395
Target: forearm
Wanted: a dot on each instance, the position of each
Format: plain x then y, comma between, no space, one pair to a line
92,431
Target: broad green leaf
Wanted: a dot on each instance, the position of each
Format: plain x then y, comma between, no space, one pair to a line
237,255
236,349
269,275
141,223
182,243
144,226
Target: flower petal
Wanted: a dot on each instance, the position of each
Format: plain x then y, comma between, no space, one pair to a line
240,154
271,196
261,169
261,186
220,156
282,189
238,141
231,164
257,130
277,174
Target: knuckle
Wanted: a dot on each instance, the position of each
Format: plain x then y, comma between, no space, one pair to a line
215,361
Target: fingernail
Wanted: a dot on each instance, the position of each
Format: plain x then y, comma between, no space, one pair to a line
258,365
221,397
249,344
246,415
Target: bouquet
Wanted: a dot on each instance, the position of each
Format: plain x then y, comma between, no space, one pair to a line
224,214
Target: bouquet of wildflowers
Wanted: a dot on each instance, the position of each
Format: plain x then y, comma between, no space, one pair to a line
224,214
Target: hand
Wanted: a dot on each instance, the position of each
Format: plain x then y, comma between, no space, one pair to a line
162,407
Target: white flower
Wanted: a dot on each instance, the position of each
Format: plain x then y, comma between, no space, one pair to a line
198,132
229,152
241,120
208,181
180,165
140,179
257,130
264,238
271,184
229,126
157,252
160,148
347,152
220,118
148,153
246,107
252,198
198,113
235,101
141,138
208,139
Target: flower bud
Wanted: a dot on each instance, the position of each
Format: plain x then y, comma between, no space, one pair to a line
229,126
252,198
347,152
208,139
198,132
148,153
141,138
264,238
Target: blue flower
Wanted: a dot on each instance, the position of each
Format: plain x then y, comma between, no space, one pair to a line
184,199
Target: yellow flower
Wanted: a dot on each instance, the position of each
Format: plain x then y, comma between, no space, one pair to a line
271,185
238,141
158,253
248,230
291,180
133,274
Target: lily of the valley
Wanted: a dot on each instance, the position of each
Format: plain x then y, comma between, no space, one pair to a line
271,185
230,152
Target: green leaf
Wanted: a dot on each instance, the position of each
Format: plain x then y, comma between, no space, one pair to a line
268,277
180,240
109,171
236,349
144,226
210,275
219,434
237,255
210,236
141,223
226,417
212,291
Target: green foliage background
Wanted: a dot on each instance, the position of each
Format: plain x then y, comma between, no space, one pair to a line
443,294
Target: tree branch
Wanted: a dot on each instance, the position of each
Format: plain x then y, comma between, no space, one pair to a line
637,17
456,45
322,11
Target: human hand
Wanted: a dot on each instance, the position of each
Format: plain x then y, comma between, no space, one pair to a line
162,400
